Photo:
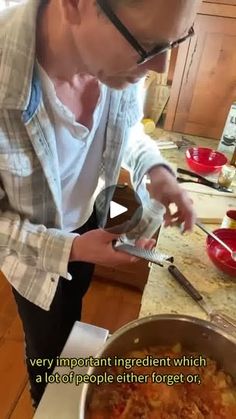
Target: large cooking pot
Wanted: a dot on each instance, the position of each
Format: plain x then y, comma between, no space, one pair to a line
194,334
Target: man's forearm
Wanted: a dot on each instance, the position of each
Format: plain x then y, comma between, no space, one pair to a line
35,245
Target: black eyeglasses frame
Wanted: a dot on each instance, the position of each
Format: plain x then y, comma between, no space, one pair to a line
144,55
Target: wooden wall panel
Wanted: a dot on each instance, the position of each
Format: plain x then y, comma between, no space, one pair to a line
209,81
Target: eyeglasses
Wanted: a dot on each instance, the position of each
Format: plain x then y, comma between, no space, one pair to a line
144,55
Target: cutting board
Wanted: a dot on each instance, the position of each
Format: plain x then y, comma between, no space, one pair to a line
210,205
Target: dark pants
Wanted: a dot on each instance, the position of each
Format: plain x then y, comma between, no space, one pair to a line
47,331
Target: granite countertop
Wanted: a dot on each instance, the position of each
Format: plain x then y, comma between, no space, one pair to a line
162,293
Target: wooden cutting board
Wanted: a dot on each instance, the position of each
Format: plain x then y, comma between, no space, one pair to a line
210,205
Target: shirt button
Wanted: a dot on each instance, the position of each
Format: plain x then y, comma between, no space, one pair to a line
52,280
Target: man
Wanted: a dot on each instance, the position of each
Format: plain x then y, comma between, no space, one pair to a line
69,118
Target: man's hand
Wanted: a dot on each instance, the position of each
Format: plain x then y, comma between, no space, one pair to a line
165,189
95,246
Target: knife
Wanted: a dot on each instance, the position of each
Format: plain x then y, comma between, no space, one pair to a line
220,319
200,180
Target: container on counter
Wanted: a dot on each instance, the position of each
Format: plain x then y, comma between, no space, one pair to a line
149,125
229,220
233,160
226,175
151,221
228,140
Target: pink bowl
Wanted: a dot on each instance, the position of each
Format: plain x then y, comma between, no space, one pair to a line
220,256
205,160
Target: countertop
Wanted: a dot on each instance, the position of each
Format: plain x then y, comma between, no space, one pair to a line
162,294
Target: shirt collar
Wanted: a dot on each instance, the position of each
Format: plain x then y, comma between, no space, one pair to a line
17,54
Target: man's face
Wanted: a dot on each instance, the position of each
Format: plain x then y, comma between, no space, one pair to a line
108,56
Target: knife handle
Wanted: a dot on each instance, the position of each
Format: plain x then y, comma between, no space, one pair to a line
181,180
182,280
189,173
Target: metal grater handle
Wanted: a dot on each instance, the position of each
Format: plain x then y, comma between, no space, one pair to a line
150,255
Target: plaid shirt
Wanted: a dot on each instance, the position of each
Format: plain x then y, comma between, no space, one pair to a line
34,250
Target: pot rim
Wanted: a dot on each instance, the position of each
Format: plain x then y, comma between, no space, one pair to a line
180,317
147,319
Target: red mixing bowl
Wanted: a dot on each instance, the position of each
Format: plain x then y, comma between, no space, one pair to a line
220,256
205,160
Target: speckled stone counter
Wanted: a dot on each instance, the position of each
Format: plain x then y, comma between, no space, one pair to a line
163,294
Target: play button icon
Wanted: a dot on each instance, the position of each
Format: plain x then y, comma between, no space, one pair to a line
118,209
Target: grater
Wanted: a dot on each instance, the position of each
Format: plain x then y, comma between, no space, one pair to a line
150,255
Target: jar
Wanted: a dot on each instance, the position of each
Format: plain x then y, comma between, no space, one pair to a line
149,125
229,220
151,221
226,175
233,160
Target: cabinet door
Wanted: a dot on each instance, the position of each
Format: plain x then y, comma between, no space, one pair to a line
209,79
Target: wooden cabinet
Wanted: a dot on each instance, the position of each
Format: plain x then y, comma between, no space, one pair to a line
204,82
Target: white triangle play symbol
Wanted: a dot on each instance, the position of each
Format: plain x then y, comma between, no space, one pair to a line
116,209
